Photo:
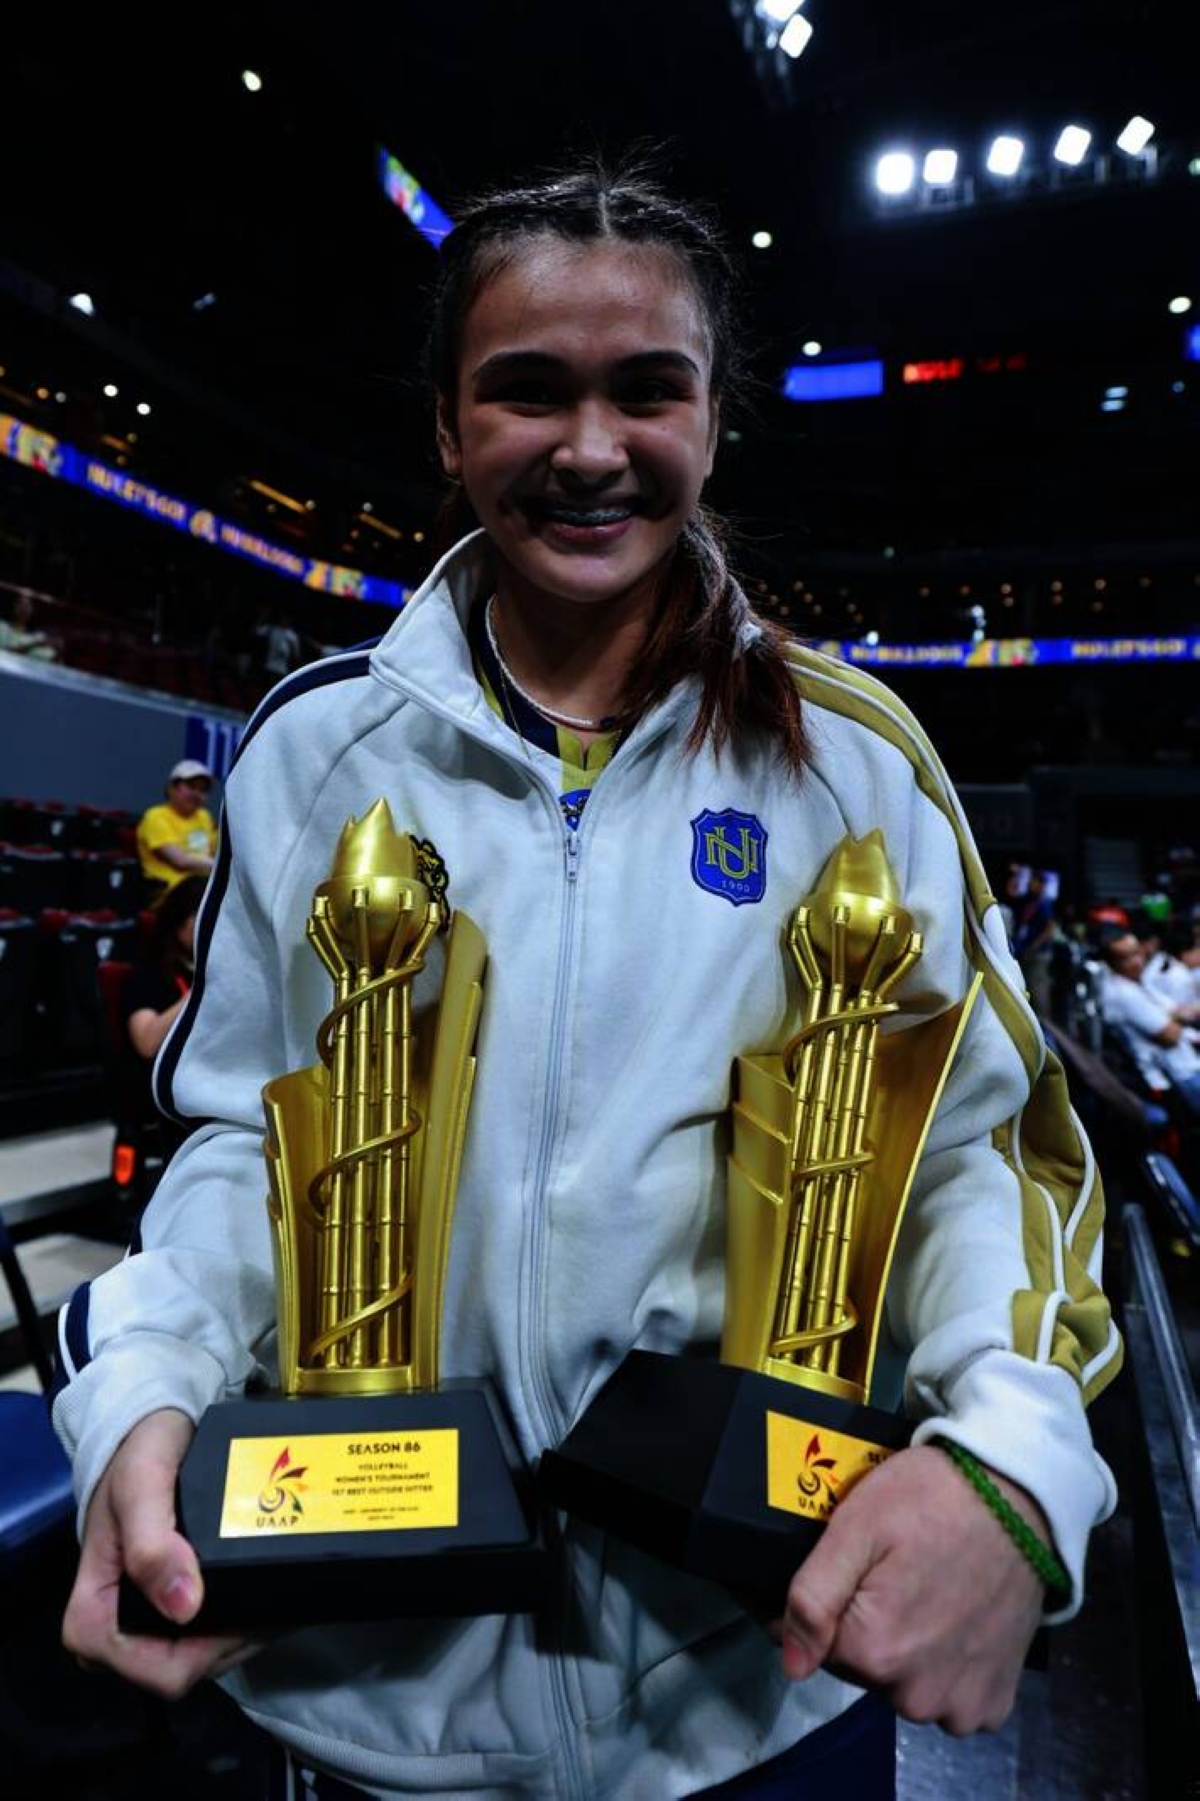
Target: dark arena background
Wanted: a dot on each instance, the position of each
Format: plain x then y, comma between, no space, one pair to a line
966,459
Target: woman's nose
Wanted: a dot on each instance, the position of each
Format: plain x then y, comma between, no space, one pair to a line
591,444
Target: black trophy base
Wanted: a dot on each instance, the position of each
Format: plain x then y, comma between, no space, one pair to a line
672,1456
280,1575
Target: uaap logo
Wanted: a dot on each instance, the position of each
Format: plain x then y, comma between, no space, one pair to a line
729,855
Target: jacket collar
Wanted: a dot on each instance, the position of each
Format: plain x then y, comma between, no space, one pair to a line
426,655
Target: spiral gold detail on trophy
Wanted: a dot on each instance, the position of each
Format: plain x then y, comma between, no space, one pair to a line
363,1149
367,1485
827,1134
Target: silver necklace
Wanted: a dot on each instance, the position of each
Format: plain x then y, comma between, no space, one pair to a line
539,706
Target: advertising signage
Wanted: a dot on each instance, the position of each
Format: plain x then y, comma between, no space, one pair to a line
36,449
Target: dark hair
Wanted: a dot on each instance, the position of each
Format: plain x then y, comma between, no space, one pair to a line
700,627
1110,937
176,905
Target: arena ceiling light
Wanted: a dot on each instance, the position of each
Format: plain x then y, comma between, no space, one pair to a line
111,390
1072,145
794,38
1182,303
143,407
1135,136
83,303
895,172
1004,157
762,240
812,348
778,11
252,81
940,168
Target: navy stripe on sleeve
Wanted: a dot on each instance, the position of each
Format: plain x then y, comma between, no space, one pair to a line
74,1352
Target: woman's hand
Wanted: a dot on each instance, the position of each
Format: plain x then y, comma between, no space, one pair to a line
130,1530
915,1588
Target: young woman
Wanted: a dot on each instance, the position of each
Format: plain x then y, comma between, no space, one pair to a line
572,689
158,986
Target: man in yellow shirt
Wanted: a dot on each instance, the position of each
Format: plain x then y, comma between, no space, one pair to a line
178,838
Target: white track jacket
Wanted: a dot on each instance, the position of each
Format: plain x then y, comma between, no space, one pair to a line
624,978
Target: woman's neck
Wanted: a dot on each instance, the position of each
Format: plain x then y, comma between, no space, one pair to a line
573,657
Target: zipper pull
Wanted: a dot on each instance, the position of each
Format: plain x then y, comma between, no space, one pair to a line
572,855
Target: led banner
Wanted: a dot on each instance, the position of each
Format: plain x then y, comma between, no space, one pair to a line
1017,653
36,449
419,208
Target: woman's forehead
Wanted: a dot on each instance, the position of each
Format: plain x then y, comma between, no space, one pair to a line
603,298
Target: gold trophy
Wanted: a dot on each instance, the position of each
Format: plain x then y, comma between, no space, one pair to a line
730,1469
364,1488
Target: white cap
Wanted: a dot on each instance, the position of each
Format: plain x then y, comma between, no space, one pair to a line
190,771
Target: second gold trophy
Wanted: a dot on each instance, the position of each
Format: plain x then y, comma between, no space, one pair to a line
731,1468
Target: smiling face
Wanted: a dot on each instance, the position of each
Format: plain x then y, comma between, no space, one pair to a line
583,426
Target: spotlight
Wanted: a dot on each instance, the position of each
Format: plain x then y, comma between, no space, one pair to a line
1004,157
793,39
895,172
1136,136
143,408
872,638
812,348
111,390
941,166
1119,393
83,303
762,240
1072,144
1112,406
1182,303
203,303
252,81
778,11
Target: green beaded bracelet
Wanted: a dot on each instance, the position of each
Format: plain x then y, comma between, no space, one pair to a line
1051,1571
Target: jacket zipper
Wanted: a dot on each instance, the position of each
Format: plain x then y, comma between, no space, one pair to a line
564,1716
551,1418
563,1713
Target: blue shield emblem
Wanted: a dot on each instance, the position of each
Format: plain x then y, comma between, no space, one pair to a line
729,855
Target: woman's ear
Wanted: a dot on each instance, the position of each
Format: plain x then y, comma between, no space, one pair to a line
447,441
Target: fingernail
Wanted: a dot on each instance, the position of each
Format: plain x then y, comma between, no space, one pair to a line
179,1598
795,1660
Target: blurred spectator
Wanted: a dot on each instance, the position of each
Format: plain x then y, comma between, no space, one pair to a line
178,839
18,632
281,647
1158,1040
1172,973
1033,933
157,988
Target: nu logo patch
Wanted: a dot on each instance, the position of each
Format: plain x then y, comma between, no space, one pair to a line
729,855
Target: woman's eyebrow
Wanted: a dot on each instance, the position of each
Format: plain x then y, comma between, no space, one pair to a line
519,362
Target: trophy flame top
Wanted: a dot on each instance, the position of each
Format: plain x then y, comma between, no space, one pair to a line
398,873
857,888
